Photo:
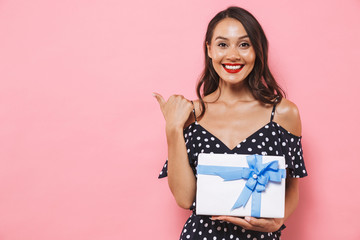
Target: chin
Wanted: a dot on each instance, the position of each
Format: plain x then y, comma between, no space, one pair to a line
233,80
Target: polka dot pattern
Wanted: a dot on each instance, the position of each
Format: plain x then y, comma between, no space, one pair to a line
205,228
261,142
271,139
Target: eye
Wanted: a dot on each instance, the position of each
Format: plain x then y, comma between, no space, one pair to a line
222,45
244,45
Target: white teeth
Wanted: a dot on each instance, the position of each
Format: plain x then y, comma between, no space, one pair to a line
233,67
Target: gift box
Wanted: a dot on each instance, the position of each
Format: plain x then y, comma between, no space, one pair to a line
240,185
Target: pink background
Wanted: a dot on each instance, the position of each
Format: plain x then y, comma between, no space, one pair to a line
82,139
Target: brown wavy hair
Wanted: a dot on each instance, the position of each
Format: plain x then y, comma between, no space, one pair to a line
260,81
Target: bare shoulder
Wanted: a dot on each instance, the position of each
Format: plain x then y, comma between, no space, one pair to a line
288,116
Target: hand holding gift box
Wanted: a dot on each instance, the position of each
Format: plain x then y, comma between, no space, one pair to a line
241,185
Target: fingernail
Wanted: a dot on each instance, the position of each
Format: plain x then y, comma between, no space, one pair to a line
153,94
247,219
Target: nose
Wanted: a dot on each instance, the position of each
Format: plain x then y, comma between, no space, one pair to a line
233,54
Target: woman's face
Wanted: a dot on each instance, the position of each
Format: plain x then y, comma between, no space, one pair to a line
231,52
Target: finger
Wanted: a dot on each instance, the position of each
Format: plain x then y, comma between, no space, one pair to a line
235,220
180,99
244,224
240,222
258,222
159,98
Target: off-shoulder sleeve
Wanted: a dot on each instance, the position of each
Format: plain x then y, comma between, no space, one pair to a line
163,172
192,162
190,153
293,152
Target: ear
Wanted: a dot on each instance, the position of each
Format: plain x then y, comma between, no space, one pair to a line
208,49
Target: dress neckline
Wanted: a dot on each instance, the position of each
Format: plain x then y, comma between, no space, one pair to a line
267,125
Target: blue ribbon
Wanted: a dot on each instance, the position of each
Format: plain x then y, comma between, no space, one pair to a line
257,174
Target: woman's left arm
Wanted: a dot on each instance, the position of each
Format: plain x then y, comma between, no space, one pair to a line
287,115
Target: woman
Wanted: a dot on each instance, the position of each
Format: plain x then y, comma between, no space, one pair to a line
241,110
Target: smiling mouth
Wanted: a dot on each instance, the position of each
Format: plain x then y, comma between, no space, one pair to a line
233,68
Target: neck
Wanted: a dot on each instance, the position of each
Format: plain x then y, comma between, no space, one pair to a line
232,93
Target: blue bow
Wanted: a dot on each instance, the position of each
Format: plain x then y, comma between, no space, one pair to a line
258,175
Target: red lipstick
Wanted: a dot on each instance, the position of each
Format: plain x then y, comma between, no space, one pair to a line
235,67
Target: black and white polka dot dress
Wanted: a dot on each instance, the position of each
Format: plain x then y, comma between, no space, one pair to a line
271,139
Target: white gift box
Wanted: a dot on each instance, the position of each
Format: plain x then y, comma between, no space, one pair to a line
216,196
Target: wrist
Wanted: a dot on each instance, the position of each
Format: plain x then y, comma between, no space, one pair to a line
279,222
172,130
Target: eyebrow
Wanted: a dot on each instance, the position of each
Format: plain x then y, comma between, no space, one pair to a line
224,38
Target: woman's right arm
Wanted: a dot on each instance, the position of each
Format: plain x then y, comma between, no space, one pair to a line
181,178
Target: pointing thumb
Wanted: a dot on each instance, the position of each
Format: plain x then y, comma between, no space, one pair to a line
159,98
